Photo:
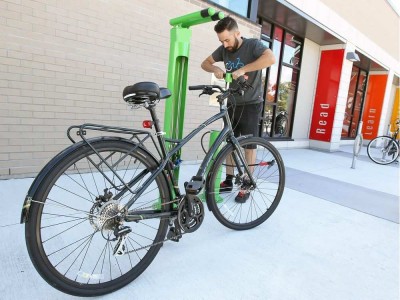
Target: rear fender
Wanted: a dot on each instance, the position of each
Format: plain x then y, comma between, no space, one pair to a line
59,157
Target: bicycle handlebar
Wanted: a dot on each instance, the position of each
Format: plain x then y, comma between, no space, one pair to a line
210,89
202,87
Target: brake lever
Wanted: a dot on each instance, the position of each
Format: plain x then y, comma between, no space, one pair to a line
207,91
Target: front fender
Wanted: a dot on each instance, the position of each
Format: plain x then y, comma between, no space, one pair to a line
53,162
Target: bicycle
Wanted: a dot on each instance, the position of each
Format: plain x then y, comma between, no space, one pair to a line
98,212
384,149
281,123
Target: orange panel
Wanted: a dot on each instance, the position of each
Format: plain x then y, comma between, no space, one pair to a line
373,105
395,110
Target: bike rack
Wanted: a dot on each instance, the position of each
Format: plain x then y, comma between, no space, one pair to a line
358,141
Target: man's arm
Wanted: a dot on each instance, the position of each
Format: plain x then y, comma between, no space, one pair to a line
208,66
266,60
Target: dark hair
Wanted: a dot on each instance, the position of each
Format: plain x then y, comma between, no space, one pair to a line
226,23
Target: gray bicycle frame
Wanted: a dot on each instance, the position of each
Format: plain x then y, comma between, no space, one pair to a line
225,132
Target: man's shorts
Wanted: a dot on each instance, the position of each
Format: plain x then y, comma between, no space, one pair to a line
245,119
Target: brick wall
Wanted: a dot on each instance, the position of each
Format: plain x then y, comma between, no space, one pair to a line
67,62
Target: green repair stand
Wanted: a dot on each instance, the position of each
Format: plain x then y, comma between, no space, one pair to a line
178,71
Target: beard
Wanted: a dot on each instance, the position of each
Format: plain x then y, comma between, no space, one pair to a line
234,47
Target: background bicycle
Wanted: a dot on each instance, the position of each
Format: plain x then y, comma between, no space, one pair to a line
280,125
384,149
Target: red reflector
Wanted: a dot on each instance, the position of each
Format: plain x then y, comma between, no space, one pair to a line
147,124
264,163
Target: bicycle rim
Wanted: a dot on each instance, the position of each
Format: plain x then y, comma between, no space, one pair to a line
71,238
269,175
383,150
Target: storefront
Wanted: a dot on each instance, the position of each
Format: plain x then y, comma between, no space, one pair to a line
65,63
352,87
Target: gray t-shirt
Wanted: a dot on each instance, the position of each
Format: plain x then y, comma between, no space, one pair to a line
249,51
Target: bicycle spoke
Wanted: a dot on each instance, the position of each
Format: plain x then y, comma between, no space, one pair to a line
63,231
65,247
65,222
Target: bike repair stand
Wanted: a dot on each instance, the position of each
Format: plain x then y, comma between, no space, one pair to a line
358,141
177,74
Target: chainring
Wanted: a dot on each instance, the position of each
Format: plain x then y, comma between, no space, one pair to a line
189,223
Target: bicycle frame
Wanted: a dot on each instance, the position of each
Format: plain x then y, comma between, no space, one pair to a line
225,134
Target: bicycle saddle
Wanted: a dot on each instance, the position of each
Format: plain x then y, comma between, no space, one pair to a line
144,91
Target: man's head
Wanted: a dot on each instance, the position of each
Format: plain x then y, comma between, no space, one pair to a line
228,33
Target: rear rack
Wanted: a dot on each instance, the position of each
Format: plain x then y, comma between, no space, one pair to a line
139,137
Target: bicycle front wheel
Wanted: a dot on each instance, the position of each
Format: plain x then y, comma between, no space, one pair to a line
268,172
70,232
383,150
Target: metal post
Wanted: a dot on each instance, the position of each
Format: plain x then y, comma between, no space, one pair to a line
358,141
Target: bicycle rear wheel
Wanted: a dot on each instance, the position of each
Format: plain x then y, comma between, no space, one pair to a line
383,150
70,233
269,175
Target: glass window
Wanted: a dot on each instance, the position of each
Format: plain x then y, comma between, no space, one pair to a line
285,103
273,70
292,50
264,71
266,29
349,103
354,103
238,6
281,81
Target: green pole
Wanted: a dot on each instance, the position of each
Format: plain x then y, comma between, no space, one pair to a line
178,70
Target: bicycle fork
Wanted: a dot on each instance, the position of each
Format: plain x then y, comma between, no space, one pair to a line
240,160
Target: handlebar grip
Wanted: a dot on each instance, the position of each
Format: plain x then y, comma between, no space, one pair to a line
196,87
241,79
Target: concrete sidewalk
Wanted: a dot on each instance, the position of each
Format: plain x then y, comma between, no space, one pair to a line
335,235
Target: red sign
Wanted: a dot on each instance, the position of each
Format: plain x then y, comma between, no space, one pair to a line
373,105
330,69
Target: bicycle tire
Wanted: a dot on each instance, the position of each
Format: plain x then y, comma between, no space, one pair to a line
269,174
383,150
69,236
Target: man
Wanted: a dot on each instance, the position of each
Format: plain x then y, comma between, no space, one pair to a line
241,56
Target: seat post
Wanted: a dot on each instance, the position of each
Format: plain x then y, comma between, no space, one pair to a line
152,108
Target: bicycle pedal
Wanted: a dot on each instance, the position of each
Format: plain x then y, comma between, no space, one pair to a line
195,185
173,235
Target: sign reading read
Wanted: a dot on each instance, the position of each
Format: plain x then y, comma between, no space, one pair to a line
330,69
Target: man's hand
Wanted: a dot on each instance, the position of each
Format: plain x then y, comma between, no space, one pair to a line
238,73
208,65
218,73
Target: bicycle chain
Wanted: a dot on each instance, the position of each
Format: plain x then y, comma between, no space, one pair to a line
151,245
160,242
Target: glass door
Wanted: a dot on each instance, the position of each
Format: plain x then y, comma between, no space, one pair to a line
280,81
354,104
